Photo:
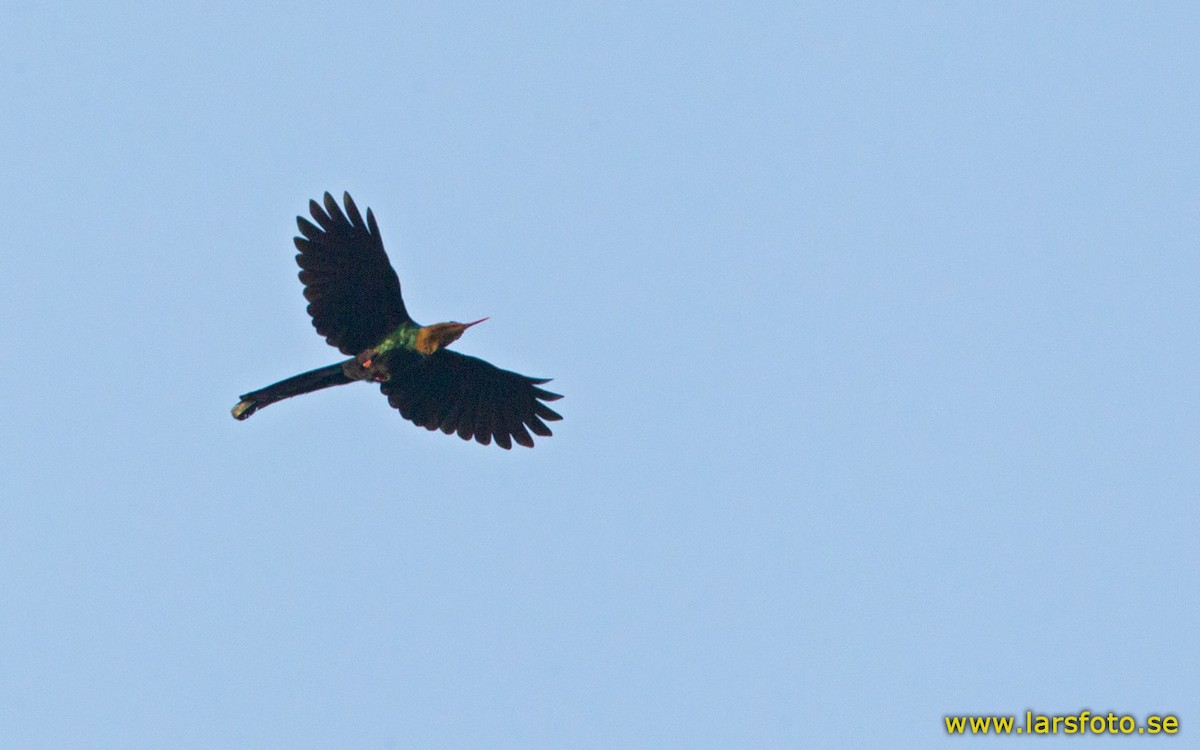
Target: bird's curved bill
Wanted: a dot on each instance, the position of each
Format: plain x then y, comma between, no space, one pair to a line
468,325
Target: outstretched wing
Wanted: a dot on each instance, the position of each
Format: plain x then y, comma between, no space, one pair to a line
352,290
456,393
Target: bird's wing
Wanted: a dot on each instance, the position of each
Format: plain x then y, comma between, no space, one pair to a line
456,393
352,290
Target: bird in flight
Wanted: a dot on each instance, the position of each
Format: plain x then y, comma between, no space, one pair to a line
354,300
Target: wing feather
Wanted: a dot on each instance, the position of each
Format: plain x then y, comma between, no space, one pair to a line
353,291
468,396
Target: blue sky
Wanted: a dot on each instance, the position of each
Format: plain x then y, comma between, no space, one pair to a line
877,325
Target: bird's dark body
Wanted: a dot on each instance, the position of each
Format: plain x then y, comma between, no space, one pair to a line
355,303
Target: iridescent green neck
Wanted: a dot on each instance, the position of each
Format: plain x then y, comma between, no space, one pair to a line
404,337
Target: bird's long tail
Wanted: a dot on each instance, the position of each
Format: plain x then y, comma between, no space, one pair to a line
305,382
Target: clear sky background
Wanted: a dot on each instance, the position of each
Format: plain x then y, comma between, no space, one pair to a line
877,325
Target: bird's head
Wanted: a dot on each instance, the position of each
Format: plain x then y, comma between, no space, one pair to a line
440,335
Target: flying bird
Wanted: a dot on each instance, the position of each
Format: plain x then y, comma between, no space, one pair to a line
354,300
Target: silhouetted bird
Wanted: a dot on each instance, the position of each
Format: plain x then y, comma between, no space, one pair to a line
354,299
